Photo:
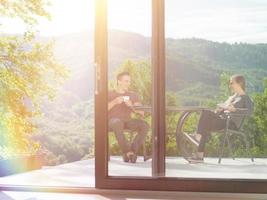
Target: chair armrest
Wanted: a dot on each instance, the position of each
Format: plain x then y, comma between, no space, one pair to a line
232,114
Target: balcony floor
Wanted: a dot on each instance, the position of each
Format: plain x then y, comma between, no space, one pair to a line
81,173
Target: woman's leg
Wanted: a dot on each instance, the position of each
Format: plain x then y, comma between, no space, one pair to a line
208,122
204,124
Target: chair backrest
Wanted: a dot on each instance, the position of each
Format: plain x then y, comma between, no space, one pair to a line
242,114
247,114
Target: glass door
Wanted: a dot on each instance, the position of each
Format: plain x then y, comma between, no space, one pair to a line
129,88
128,67
115,168
209,67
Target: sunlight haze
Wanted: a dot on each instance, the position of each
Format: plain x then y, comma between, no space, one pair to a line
217,20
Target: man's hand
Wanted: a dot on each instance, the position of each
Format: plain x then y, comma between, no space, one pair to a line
141,113
115,102
118,100
129,103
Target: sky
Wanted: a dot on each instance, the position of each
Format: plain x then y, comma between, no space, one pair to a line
217,20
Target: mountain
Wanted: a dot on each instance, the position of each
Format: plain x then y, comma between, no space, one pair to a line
192,65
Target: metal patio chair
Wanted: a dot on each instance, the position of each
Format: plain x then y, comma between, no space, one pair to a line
186,147
228,133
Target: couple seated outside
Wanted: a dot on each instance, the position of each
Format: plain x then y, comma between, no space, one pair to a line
121,102
239,104
120,108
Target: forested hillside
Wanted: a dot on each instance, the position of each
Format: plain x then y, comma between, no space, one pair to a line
193,65
193,70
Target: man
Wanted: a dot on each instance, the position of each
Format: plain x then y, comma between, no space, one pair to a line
120,107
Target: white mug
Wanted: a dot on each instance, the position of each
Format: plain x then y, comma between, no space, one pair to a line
126,98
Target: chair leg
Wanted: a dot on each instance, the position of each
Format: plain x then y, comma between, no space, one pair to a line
222,147
230,147
144,150
222,150
248,148
146,157
224,139
252,159
249,152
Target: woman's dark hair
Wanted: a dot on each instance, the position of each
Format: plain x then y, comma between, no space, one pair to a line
122,74
240,79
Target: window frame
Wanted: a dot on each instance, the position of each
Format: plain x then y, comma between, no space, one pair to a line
103,181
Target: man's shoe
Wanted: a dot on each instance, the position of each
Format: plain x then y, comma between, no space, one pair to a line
125,157
192,138
133,158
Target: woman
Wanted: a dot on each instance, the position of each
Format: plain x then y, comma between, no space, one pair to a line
210,121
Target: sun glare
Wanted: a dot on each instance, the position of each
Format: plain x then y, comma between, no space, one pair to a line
243,21
131,16
67,17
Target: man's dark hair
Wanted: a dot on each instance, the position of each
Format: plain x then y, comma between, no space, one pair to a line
122,74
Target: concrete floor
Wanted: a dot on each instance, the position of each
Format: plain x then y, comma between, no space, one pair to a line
81,173
178,167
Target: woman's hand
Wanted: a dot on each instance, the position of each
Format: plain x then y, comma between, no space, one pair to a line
218,110
231,108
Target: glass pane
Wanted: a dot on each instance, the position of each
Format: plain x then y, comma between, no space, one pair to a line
47,105
129,25
215,72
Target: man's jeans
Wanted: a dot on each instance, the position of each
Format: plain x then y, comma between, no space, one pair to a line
140,126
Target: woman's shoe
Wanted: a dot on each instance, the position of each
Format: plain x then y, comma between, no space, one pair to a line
195,159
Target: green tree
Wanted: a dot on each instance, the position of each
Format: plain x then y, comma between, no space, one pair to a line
258,125
28,74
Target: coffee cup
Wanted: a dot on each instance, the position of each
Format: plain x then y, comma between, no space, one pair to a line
126,98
